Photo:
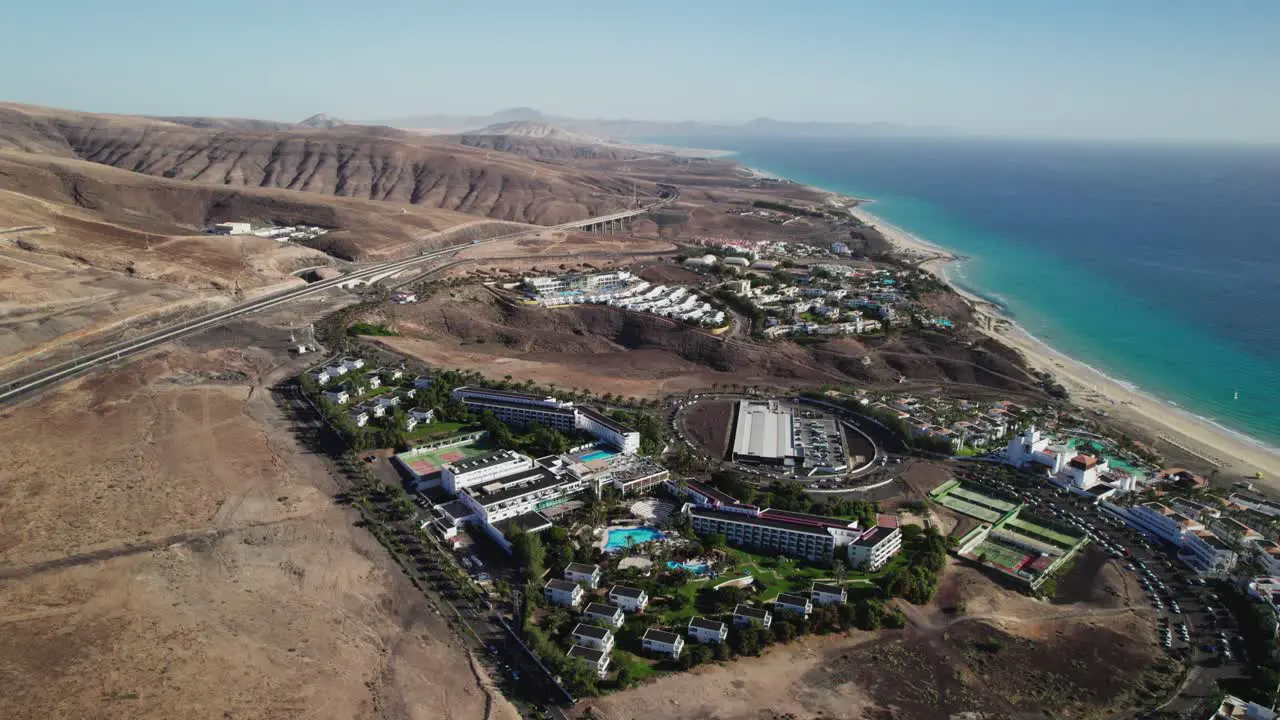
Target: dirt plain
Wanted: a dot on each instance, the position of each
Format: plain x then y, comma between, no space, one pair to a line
1004,656
709,424
174,553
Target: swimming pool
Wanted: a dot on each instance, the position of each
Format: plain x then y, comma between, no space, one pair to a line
619,537
697,568
597,455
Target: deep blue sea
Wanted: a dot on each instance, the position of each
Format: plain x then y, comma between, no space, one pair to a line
1158,265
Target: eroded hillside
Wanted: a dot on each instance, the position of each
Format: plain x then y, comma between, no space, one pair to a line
371,163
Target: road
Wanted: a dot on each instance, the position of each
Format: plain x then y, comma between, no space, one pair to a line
50,376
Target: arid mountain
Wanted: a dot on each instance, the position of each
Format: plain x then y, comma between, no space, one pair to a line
371,163
229,124
621,129
322,121
543,141
531,129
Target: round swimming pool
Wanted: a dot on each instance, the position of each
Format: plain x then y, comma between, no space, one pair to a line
620,538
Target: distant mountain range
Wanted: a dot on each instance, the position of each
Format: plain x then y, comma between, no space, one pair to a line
632,129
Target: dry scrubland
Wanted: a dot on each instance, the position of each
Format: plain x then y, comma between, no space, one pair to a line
173,554
634,354
1004,655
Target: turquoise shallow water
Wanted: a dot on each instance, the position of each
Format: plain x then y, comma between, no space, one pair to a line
619,537
1157,266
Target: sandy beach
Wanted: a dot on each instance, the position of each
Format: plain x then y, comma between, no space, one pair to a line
1166,424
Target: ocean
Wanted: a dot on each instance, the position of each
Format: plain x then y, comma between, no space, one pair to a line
1157,265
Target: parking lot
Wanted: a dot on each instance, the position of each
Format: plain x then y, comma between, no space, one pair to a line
1191,622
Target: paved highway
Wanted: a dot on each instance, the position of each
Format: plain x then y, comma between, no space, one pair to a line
49,376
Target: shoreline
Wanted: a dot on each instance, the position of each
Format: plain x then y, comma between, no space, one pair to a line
1090,388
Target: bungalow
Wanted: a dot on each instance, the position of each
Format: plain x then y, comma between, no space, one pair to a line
386,402
339,396
582,573
337,370
374,409
606,613
662,642
409,393
422,382
593,637
823,594
374,382
707,631
562,592
592,658
789,602
410,422
321,376
358,416
389,373
873,548
744,615
351,363
628,598
423,415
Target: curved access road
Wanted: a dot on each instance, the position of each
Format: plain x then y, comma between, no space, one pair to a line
49,376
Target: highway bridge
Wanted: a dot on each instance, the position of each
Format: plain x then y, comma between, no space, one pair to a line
49,376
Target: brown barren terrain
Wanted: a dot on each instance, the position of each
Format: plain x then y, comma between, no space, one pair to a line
1006,656
167,551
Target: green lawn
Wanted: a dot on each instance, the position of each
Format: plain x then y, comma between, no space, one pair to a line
431,431
680,618
641,668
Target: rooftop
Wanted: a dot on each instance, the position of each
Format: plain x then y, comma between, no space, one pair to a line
606,421
874,536
711,492
826,589
513,486
591,655
662,636
456,509
602,610
1213,541
626,591
522,405
561,585
761,520
705,624
807,519
482,461
1083,462
762,431
582,568
792,599
751,612
465,389
528,522
591,631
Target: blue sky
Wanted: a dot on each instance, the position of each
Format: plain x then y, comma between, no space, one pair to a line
1175,69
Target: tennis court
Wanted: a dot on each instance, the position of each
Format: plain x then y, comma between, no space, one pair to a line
968,508
1001,556
1041,531
426,463
981,499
